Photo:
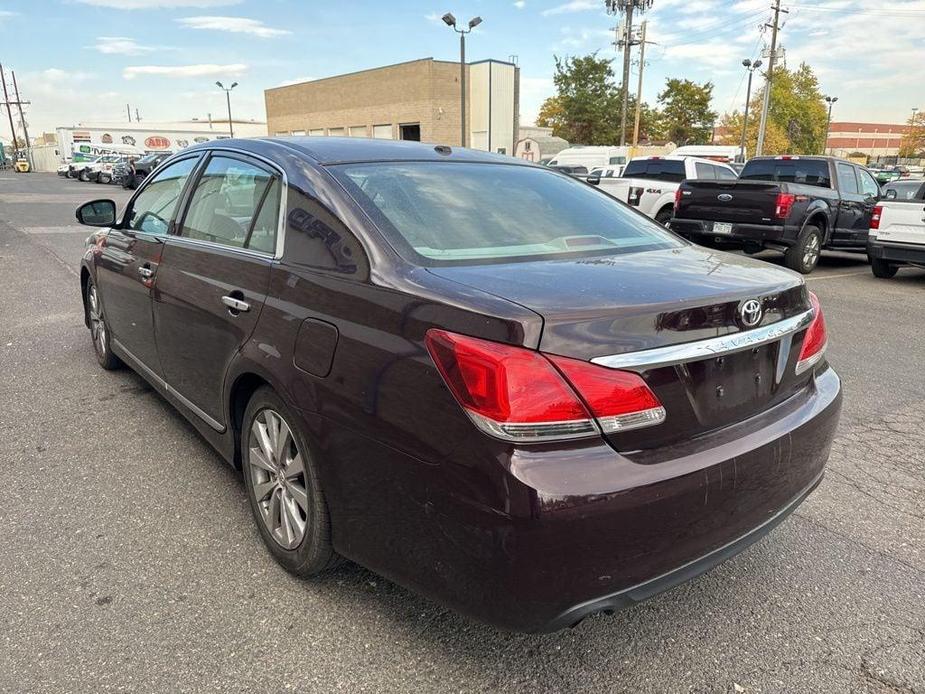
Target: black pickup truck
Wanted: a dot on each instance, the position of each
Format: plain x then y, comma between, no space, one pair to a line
799,205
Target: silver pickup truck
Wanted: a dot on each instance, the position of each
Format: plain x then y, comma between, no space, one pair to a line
897,228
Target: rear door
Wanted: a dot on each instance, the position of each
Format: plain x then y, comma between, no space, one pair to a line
214,276
126,269
870,191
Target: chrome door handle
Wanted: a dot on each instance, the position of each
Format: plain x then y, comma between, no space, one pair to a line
146,272
236,304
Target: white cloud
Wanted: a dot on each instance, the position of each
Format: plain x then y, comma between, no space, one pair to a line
237,25
157,4
574,6
120,45
520,4
54,74
582,37
7,13
533,92
204,70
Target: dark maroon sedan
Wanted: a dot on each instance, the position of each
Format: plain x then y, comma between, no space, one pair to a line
485,380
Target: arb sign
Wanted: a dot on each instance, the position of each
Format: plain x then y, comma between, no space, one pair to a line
157,142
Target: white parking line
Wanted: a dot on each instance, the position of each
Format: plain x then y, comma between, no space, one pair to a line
835,277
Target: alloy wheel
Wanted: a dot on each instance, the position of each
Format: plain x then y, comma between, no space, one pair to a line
97,322
278,482
811,252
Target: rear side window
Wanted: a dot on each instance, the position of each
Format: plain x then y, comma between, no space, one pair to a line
655,169
236,204
724,174
847,181
813,172
467,213
869,187
705,171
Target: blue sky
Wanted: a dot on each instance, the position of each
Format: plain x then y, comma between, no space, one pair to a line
80,60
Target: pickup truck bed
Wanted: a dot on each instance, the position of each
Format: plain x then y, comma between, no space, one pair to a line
897,235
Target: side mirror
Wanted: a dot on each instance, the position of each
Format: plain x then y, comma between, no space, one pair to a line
97,213
891,194
594,179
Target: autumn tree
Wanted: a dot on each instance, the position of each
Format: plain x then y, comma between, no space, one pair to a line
685,117
913,140
797,115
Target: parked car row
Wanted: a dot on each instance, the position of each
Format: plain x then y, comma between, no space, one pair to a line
120,169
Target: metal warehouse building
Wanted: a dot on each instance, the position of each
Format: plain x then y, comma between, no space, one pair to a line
417,100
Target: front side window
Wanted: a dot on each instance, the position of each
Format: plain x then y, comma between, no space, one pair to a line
869,186
156,204
235,204
847,183
464,213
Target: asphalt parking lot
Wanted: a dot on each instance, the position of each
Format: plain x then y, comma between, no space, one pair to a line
129,560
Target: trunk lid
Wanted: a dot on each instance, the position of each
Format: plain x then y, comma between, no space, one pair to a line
616,304
750,202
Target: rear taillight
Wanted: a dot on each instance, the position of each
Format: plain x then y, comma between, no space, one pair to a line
783,205
875,217
677,198
815,339
516,394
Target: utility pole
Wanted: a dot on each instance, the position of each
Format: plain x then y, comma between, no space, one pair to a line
137,117
642,66
828,122
767,84
22,119
450,21
128,110
9,111
751,67
626,41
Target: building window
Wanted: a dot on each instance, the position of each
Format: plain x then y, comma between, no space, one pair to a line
382,132
336,132
281,133
298,133
357,131
316,132
410,131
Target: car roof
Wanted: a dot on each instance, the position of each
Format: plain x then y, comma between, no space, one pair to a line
340,150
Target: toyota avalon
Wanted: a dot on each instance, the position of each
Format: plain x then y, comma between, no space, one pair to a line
485,380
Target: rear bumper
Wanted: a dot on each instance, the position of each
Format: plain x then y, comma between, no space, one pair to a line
896,252
580,529
741,234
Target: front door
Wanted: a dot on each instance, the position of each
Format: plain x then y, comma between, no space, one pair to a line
126,269
851,207
214,277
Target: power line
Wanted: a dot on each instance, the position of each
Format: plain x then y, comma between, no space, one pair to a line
862,12
720,28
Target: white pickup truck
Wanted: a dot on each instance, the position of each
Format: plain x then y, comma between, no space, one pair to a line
649,183
897,228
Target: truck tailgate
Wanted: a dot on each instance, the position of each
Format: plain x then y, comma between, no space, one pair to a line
902,222
749,202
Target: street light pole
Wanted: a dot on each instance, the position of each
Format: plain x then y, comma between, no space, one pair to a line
228,100
828,122
450,21
751,67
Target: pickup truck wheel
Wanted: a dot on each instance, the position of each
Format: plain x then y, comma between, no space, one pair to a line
83,176
882,269
663,216
804,255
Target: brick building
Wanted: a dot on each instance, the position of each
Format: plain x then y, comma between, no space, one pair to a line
872,139
417,100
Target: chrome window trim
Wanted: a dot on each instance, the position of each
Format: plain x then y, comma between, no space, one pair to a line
706,349
178,240
160,382
283,200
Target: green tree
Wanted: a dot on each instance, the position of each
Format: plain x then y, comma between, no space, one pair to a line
797,115
685,117
586,107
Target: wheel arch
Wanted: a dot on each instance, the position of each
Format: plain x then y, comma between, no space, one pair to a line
243,386
818,218
84,281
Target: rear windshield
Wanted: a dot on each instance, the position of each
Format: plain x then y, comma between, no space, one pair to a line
904,190
812,172
464,213
656,169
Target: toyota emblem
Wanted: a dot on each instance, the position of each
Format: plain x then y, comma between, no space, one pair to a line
724,197
750,313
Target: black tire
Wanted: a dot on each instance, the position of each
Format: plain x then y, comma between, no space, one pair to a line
314,553
104,178
96,318
83,176
883,269
664,216
804,255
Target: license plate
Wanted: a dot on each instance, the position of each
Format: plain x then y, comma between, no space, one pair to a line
722,228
